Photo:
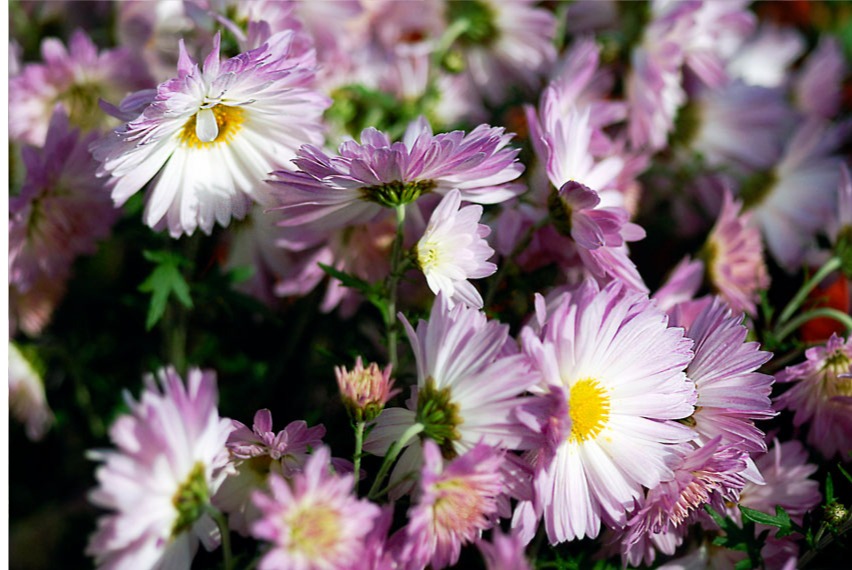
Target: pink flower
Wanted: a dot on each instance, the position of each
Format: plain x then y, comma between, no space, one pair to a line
171,459
453,249
455,503
623,369
822,395
313,522
75,79
733,255
504,552
818,87
27,401
365,391
210,136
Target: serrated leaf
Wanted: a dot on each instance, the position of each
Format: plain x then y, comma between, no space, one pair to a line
163,282
780,519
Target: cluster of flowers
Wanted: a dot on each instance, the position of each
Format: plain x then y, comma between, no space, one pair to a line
614,412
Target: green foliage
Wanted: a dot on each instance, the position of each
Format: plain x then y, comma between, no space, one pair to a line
780,519
742,538
374,293
166,280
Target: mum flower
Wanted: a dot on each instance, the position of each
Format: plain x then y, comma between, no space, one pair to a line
351,188
27,401
504,552
314,522
210,136
171,459
469,386
623,369
456,502
453,249
365,391
822,395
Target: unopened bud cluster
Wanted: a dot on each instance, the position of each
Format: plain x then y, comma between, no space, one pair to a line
364,391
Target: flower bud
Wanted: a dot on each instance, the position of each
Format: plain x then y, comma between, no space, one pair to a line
365,391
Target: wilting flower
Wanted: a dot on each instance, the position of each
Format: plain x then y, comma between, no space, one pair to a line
75,79
257,452
314,522
27,402
733,257
623,369
210,136
822,395
453,249
455,503
469,382
351,188
171,459
365,391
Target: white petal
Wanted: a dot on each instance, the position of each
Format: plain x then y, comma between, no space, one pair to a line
206,128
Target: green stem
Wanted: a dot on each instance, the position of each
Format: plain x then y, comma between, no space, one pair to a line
794,324
453,32
823,541
390,457
222,523
356,459
823,272
393,285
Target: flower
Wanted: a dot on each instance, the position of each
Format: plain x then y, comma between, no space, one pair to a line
504,552
623,369
365,391
210,136
453,249
255,454
469,386
818,87
733,255
314,522
351,188
171,459
75,79
822,395
456,502
27,401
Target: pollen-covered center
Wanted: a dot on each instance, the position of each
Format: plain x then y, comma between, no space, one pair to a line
439,416
314,530
190,500
838,363
427,255
589,409
212,126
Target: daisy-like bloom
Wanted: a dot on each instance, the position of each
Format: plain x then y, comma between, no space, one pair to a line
455,503
353,187
74,78
469,385
210,136
504,552
171,459
622,367
62,209
818,87
504,42
313,522
453,249
733,257
27,401
365,391
822,395
792,201
257,452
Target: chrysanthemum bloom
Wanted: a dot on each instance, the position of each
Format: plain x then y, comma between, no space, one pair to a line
171,459
210,136
62,209
257,452
453,249
469,386
504,552
27,402
822,395
818,88
455,503
733,258
504,42
365,391
353,187
623,369
75,78
792,201
314,522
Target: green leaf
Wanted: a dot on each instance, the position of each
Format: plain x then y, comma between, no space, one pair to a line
240,274
739,538
781,520
829,489
373,293
845,473
166,280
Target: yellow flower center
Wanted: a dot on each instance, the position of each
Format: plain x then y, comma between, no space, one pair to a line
314,530
837,363
427,255
228,122
589,409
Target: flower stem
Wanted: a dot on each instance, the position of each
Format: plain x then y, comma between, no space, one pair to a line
222,523
794,324
822,541
356,459
390,457
393,285
831,265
